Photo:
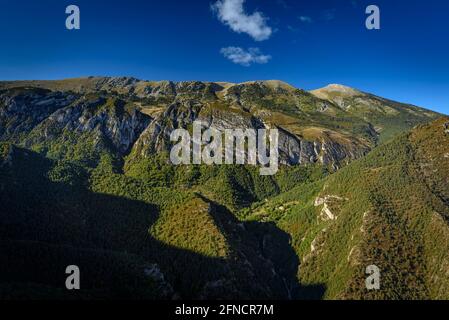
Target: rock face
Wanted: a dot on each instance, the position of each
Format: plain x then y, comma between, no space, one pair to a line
293,150
327,202
156,137
22,110
100,117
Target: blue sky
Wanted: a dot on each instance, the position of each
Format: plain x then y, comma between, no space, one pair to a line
306,43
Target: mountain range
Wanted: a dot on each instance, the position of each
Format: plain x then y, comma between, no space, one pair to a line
85,179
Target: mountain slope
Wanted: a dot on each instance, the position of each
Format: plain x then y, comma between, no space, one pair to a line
388,117
85,178
389,209
130,240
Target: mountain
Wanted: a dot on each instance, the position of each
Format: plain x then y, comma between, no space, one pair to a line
312,129
388,117
86,180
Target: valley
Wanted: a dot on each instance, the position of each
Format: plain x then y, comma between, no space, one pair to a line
86,179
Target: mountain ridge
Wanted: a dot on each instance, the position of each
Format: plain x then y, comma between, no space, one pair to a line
130,80
312,129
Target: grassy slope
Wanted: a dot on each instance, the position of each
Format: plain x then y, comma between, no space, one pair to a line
390,118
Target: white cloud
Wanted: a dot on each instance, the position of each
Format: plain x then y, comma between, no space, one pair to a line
245,57
232,13
305,19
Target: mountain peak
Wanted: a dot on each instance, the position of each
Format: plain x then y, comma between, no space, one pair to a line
332,90
340,88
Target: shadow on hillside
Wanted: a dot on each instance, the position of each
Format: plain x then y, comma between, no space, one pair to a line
273,250
46,226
